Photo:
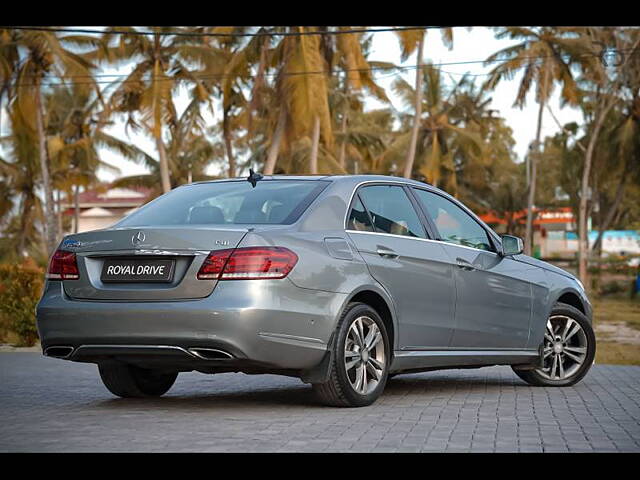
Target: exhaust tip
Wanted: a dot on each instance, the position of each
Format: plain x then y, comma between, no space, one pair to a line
210,353
58,351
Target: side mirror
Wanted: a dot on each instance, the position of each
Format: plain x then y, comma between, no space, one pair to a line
511,245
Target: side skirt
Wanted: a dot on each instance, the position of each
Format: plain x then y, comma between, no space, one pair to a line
429,359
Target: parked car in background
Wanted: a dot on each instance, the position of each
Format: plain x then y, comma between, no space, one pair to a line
341,281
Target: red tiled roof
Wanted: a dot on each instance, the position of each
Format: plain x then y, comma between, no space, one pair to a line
556,215
98,196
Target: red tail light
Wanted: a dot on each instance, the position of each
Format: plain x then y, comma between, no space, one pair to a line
248,263
63,266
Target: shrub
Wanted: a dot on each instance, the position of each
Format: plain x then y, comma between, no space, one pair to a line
608,288
20,289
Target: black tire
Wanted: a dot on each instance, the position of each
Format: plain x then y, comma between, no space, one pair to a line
128,381
338,391
534,377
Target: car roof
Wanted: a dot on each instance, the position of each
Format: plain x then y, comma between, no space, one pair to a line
353,180
331,178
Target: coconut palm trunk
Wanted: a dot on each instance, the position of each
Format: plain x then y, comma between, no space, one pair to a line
343,126
411,153
164,165
606,223
533,160
274,149
226,131
343,145
51,224
315,143
59,211
583,237
28,205
76,208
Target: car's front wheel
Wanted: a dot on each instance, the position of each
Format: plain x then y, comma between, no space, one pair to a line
130,381
360,359
568,350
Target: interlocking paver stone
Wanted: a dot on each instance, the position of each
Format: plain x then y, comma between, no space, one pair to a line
52,405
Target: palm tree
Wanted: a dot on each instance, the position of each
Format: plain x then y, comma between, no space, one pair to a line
350,55
302,99
43,55
443,133
21,208
164,63
539,55
227,68
410,40
609,86
75,134
620,149
189,151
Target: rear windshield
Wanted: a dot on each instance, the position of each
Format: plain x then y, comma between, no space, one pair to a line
270,202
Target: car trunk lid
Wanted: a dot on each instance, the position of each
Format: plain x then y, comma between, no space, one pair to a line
182,248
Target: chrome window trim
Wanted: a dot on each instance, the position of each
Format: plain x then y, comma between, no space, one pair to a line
345,222
409,184
494,237
439,242
392,235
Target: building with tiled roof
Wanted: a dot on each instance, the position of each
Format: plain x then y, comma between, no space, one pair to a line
103,206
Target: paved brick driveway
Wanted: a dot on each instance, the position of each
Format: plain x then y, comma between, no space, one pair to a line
52,405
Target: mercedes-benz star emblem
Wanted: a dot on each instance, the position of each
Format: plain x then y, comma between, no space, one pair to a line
137,239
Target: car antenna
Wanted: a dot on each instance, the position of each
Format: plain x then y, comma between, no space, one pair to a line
253,178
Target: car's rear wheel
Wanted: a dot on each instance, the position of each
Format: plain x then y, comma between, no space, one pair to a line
568,350
129,381
360,359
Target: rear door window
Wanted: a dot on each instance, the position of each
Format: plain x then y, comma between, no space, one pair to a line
391,210
359,218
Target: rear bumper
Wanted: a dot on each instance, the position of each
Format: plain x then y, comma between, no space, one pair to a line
269,324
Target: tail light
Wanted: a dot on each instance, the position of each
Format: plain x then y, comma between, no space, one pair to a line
63,266
248,263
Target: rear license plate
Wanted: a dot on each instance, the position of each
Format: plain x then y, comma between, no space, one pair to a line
137,270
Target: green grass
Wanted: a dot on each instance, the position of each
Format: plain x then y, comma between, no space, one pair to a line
616,309
619,310
613,353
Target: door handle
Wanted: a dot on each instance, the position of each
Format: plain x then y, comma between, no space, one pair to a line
386,252
464,265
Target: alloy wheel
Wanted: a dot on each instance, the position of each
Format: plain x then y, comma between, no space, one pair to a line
364,355
565,348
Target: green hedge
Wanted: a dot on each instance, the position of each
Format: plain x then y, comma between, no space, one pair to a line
20,290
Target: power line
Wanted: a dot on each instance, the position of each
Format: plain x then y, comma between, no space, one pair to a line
214,76
212,34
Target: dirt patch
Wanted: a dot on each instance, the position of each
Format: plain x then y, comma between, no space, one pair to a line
7,347
618,332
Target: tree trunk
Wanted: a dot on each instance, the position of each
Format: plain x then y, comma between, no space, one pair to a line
343,126
583,238
411,153
343,146
315,143
533,160
255,102
76,208
164,165
227,143
28,205
608,219
272,156
59,212
51,225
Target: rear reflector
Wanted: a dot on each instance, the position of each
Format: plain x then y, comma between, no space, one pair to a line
63,266
248,263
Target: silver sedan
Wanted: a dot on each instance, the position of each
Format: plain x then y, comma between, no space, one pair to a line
341,281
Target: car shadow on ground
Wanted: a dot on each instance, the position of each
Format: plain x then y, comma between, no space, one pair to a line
302,395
